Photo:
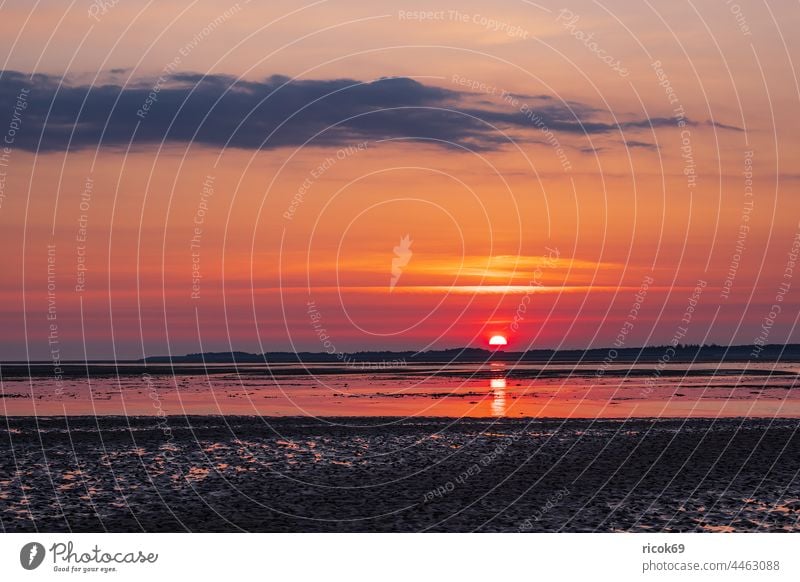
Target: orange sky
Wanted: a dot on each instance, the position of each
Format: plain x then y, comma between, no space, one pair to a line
290,222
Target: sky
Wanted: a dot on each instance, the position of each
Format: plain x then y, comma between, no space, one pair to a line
179,176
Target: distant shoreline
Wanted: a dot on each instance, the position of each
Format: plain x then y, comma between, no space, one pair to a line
678,354
389,362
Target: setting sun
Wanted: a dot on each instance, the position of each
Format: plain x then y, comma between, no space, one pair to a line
497,340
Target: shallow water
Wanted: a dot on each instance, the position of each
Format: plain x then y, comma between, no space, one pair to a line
500,390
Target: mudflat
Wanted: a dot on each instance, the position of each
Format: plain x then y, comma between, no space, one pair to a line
232,473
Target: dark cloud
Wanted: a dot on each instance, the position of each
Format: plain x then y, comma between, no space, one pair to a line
218,110
719,125
632,143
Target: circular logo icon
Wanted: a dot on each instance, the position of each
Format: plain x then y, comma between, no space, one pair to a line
31,555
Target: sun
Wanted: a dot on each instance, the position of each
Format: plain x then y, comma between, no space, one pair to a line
497,340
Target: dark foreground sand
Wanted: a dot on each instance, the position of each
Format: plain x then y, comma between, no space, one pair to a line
383,474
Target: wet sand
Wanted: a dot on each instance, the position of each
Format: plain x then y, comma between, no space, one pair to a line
214,473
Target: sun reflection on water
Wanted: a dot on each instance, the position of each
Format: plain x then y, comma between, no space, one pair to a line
498,386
